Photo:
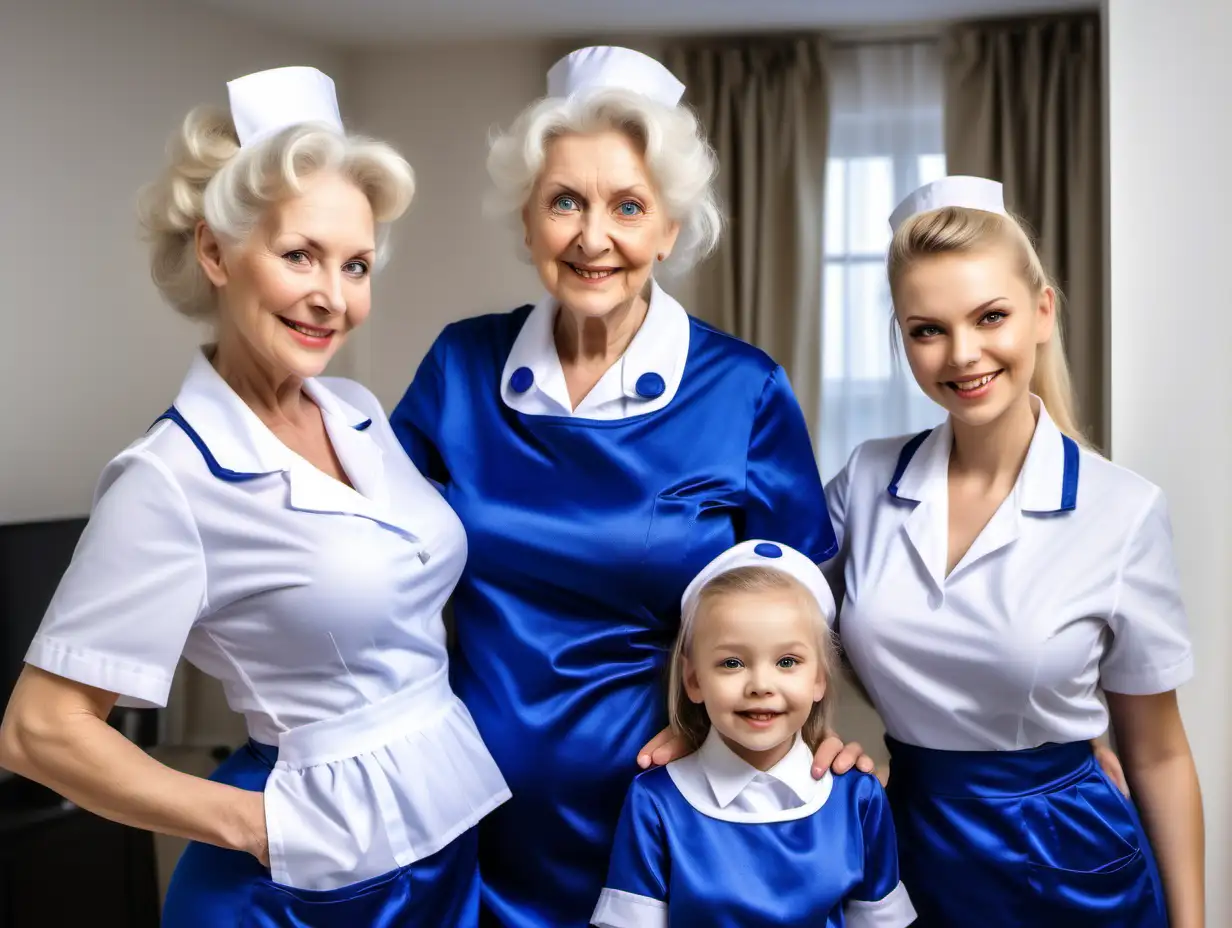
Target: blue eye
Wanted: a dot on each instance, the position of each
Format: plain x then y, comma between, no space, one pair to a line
566,204
993,317
296,257
629,208
788,662
357,268
925,331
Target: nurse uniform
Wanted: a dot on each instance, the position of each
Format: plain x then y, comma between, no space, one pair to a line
988,679
711,840
318,607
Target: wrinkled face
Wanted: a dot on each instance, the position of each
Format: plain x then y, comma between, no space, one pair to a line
595,224
755,665
289,294
970,327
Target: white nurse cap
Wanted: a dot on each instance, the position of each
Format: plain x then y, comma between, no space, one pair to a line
959,190
265,103
760,553
608,67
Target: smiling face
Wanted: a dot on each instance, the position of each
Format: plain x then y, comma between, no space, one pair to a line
595,224
755,664
291,292
971,326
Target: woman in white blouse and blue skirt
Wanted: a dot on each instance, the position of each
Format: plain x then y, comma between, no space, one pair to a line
269,529
999,575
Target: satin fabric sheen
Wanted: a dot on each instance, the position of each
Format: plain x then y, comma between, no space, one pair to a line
724,874
1020,839
582,537
214,887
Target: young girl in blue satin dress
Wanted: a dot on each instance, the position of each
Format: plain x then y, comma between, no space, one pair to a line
738,834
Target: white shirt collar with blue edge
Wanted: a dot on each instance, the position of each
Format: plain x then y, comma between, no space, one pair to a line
237,447
1047,483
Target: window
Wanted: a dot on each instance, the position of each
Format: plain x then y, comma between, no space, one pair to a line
885,140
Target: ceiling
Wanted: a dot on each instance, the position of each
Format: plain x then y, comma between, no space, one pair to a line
388,22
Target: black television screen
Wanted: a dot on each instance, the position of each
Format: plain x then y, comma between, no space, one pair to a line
33,558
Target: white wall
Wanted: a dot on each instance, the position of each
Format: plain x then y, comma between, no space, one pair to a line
1170,78
89,354
437,104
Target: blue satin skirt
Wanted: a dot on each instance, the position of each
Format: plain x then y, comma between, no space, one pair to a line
1020,839
217,888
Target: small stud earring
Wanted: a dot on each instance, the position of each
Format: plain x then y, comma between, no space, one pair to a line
661,256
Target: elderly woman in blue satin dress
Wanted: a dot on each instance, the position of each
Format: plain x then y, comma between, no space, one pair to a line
600,447
269,529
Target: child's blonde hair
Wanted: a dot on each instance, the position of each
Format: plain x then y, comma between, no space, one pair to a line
958,230
689,719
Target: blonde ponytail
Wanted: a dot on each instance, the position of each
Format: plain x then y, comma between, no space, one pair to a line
954,229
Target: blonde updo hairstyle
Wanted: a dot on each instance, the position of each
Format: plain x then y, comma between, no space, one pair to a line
209,177
681,163
959,230
688,719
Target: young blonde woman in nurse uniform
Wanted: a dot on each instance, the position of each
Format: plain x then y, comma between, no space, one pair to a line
998,575
270,530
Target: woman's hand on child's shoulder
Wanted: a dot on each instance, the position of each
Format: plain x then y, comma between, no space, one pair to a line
832,754
661,750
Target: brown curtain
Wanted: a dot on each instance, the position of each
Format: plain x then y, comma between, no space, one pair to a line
1024,106
764,105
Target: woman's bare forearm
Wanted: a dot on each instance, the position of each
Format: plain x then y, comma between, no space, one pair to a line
1170,802
1159,766
64,743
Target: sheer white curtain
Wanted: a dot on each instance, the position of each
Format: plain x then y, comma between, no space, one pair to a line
886,138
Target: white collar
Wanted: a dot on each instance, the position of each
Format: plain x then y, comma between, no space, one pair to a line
1047,483
645,378
712,777
238,441
237,447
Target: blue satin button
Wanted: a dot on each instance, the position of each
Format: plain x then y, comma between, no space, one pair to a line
765,549
650,386
521,380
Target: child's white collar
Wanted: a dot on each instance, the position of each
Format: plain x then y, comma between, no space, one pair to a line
714,777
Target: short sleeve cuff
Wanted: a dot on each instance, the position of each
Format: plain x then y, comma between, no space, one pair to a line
619,909
1149,681
141,685
894,910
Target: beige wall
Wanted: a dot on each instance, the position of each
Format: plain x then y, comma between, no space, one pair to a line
437,105
1170,78
90,355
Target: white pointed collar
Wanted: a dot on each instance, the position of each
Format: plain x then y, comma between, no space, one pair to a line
714,776
237,447
1047,483
644,379
238,443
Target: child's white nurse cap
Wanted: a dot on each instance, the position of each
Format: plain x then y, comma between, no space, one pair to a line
773,555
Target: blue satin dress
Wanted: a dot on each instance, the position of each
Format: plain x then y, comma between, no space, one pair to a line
582,537
736,874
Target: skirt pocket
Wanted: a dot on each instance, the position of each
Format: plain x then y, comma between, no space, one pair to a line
441,891
377,901
1089,862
